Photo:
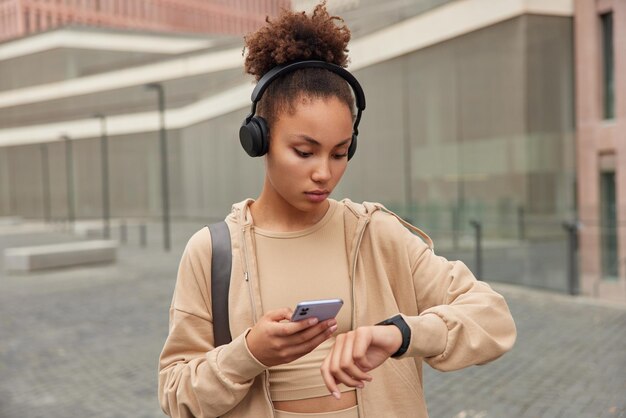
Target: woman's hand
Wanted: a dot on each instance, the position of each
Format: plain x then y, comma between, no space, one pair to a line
356,353
273,342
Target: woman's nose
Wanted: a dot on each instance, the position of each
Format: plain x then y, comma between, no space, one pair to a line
322,171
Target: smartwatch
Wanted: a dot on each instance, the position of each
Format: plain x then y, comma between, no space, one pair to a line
399,322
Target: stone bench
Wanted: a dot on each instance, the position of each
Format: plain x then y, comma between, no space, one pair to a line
8,231
95,229
10,220
59,255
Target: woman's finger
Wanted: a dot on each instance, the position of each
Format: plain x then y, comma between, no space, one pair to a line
290,328
327,376
311,332
336,366
287,328
301,348
280,314
347,362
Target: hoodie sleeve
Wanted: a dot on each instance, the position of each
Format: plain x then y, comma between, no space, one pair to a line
468,321
195,378
461,321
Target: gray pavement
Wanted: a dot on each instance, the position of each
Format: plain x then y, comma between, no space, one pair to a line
84,342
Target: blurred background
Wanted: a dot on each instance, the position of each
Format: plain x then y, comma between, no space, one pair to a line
497,126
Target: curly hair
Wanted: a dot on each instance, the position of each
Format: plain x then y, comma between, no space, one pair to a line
292,37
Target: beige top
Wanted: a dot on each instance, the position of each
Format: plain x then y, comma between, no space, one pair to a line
304,265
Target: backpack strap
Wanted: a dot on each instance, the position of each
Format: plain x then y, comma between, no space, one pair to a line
221,260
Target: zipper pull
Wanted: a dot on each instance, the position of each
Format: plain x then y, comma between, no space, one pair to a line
245,276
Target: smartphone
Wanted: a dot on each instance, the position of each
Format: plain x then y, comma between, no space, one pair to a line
321,309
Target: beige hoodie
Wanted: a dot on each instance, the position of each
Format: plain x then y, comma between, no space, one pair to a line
456,321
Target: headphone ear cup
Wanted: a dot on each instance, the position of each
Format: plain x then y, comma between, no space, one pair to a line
352,147
253,137
264,142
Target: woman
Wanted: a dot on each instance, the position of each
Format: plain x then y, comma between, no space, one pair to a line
403,304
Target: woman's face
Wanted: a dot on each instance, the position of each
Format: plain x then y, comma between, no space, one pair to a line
308,152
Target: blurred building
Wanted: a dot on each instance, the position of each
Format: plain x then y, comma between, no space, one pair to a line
236,17
470,117
601,142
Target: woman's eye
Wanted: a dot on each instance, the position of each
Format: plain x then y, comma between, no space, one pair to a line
302,153
340,156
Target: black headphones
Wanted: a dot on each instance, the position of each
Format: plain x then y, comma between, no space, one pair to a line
253,133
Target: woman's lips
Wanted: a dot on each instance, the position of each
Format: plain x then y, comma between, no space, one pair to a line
317,197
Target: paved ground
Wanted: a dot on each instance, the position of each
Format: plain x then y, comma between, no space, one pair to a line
84,342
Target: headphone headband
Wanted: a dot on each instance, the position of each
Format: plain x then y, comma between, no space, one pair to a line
281,70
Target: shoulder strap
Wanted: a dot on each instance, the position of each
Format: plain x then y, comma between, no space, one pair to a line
221,260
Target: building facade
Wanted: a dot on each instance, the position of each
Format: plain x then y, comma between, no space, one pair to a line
470,120
601,145
22,17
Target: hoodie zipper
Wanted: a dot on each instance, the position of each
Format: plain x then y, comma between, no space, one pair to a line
246,274
356,252
359,396
246,277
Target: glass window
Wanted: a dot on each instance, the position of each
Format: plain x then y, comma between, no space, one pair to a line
608,66
608,225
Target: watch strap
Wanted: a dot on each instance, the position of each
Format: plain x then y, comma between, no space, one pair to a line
399,322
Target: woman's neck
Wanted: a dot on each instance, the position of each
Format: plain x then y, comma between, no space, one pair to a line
270,211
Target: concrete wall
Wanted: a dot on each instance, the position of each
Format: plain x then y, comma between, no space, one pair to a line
528,263
485,117
217,172
178,92
481,124
62,64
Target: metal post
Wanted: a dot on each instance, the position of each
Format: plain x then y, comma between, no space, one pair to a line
406,119
45,181
164,170
478,232
69,168
571,228
455,227
123,233
521,223
143,235
11,187
460,169
104,165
